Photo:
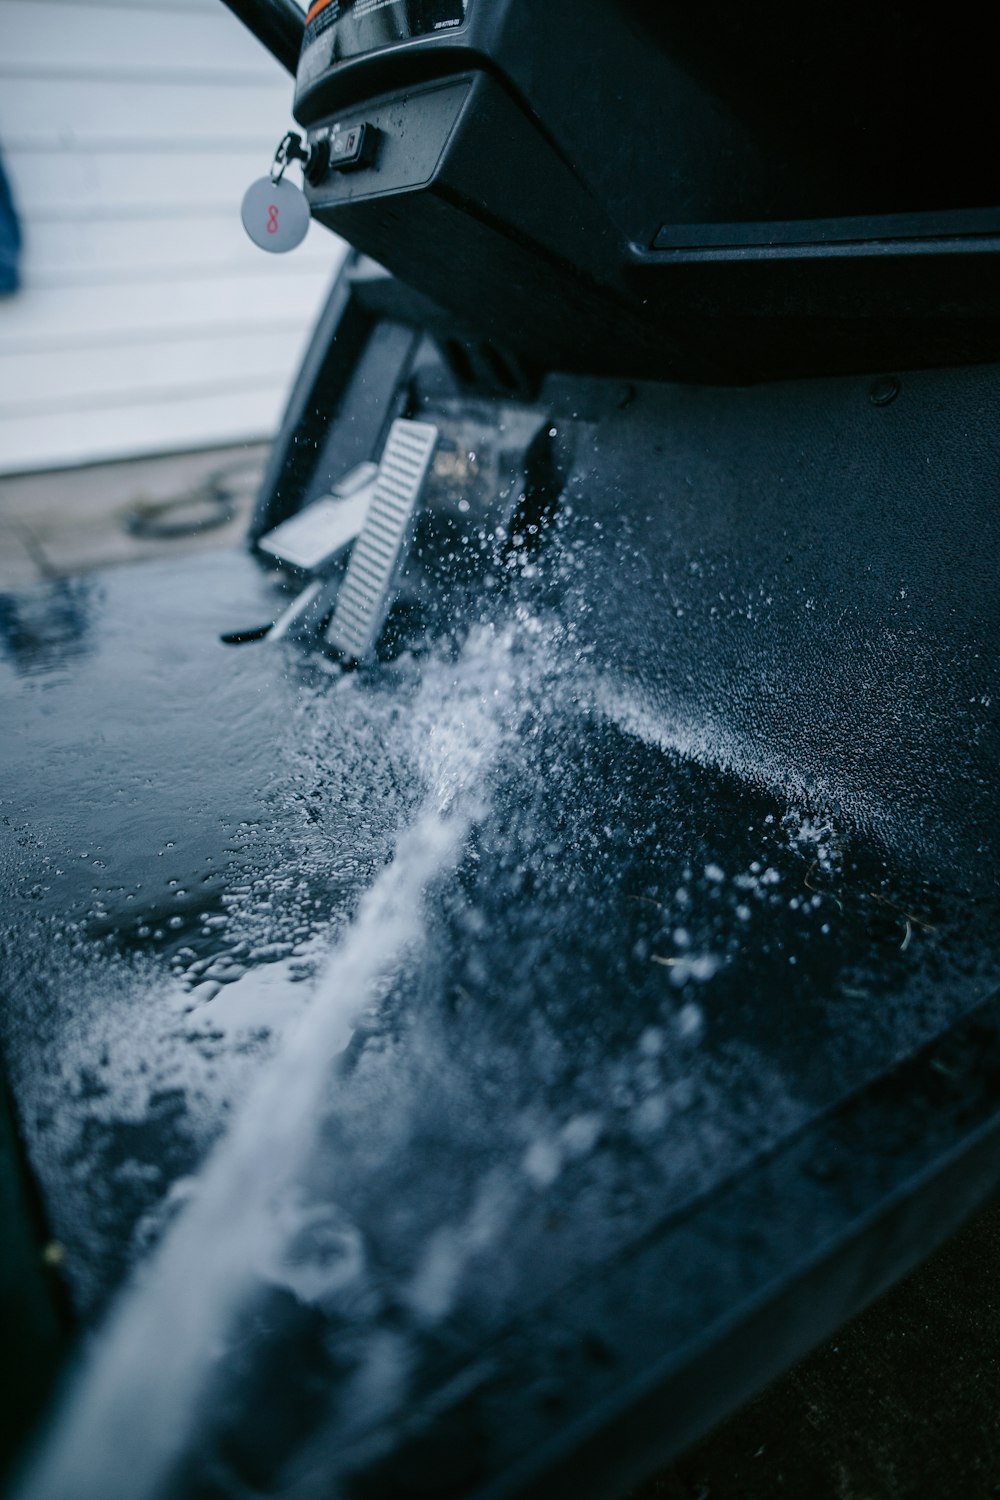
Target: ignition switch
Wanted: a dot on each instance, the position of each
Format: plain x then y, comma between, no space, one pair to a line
318,160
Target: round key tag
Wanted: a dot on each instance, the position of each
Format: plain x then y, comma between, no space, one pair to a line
275,214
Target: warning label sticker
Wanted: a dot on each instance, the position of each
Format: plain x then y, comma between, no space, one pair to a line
359,26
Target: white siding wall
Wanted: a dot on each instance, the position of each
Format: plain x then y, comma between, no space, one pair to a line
147,321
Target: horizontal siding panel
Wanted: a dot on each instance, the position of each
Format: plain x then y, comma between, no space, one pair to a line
98,41
67,114
102,184
147,322
69,438
166,5
211,244
84,379
44,316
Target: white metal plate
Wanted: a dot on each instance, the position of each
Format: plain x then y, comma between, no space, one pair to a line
318,535
366,592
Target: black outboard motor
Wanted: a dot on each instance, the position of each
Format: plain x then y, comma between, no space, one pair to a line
635,189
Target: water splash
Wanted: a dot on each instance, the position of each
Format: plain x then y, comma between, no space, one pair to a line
136,1396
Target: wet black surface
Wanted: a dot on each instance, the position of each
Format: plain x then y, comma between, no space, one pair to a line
799,583
175,820
900,1403
539,1045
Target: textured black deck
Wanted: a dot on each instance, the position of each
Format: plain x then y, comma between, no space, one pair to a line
683,1042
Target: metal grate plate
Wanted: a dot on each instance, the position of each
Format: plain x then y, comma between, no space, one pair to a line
366,593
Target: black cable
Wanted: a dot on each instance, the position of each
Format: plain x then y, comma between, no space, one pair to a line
278,24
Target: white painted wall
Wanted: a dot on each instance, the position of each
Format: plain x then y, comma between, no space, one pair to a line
147,321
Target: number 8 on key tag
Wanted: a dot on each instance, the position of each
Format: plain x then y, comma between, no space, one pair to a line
275,214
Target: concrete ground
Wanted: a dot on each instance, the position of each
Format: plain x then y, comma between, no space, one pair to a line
904,1403
72,520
